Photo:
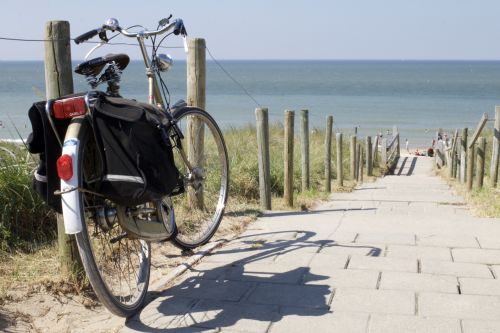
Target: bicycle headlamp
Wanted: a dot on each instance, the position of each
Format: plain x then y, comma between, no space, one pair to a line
164,62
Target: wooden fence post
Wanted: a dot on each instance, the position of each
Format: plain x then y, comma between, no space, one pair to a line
359,160
375,151
196,72
196,83
463,155
261,115
369,163
304,131
383,154
452,156
481,150
395,133
352,151
328,154
340,171
59,82
495,154
470,167
288,157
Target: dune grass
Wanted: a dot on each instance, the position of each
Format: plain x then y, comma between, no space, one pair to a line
25,221
486,200
28,246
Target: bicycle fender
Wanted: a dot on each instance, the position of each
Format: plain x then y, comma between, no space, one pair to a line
70,197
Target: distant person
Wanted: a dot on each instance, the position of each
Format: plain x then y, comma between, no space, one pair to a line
407,144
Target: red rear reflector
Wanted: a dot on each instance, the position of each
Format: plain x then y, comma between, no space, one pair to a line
69,107
65,167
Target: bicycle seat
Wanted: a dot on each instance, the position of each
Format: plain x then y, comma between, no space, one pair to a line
94,66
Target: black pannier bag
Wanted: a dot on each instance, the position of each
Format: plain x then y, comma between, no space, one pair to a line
43,141
138,160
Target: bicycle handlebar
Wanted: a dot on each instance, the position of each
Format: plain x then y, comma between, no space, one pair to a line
112,25
87,35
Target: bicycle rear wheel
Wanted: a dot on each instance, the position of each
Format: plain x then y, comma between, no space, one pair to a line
118,267
199,210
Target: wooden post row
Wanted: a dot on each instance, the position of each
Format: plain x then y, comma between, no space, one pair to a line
262,127
288,157
340,171
328,154
304,131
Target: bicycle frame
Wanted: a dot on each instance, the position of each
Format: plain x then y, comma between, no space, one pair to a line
154,95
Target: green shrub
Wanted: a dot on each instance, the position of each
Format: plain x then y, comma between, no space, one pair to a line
25,221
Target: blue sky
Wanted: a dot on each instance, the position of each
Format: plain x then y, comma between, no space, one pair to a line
279,29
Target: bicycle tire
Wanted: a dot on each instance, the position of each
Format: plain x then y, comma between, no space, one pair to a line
198,214
117,267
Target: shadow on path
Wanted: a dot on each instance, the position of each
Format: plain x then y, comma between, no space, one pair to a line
411,168
253,290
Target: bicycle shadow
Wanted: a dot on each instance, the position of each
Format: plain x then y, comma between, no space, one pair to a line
252,291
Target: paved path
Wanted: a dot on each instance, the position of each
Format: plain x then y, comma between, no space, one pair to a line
402,254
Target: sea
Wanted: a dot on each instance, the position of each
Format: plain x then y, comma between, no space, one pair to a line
369,97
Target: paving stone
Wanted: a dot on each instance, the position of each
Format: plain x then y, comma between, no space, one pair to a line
297,254
419,252
480,256
290,295
496,270
342,278
323,263
489,242
383,264
455,269
343,236
419,282
459,306
398,324
386,238
268,273
447,241
374,301
299,321
207,270
354,248
475,286
252,252
239,317
480,326
210,289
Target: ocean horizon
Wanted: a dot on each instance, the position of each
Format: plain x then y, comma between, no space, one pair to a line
418,96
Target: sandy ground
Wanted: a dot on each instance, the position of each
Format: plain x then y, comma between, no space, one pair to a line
47,308
52,307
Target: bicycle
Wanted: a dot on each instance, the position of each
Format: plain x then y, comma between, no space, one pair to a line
113,237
